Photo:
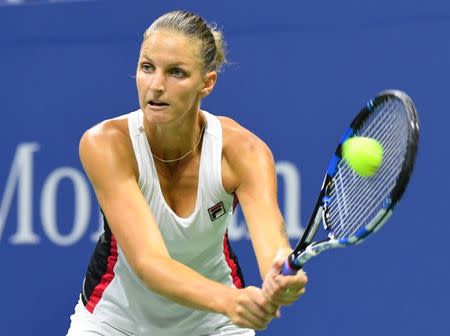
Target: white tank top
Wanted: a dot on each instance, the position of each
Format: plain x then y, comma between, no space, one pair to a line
198,241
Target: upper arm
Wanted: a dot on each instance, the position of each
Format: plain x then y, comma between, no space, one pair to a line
109,164
253,167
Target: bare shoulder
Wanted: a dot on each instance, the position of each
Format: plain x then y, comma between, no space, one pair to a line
109,129
107,145
243,154
239,142
105,135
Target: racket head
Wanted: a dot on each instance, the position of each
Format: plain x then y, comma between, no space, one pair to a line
355,206
351,206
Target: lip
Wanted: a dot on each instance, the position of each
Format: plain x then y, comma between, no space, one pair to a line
157,105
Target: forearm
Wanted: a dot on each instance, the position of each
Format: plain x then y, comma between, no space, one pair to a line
265,261
269,244
172,279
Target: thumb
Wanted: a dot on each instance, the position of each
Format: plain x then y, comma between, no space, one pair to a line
282,254
279,259
277,264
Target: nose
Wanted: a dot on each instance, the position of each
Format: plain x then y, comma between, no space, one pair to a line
156,83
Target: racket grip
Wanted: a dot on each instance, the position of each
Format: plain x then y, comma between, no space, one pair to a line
289,267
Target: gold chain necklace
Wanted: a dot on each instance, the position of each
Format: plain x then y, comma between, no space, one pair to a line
192,149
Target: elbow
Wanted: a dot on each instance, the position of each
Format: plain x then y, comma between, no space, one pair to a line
141,268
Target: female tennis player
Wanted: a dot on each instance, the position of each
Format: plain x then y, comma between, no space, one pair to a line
167,178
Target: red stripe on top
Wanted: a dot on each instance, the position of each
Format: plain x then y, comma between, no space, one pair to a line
106,279
231,263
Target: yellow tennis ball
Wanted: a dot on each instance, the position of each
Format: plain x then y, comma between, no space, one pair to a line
364,155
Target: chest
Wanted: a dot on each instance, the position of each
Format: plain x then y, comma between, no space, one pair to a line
202,212
180,184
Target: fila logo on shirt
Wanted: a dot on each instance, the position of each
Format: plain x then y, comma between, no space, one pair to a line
216,211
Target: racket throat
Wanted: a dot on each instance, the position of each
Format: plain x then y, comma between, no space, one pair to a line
316,248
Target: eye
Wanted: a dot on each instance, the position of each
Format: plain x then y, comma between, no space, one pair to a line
177,72
147,67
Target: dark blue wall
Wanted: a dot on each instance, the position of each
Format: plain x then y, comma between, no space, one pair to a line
298,74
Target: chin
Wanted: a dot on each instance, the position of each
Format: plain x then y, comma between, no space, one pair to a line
156,117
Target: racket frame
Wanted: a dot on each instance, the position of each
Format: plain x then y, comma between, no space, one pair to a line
306,248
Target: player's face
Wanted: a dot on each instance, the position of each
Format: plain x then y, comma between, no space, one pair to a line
169,76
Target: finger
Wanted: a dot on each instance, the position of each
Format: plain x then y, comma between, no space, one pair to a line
284,290
292,287
255,316
270,288
267,306
279,259
277,264
282,254
274,285
245,322
294,282
275,268
257,304
288,297
271,308
282,301
295,292
272,294
284,295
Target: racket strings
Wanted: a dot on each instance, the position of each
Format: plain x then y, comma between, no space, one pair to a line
360,187
358,182
355,200
345,169
361,213
364,210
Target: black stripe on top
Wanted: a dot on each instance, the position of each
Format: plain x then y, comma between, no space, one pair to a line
98,264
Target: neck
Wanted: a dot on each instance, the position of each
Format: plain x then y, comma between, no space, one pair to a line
176,142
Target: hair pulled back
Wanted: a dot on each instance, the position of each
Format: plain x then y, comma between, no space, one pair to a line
212,48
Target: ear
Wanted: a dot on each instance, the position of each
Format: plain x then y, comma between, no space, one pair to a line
209,80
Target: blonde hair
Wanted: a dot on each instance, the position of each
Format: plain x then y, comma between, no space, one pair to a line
212,50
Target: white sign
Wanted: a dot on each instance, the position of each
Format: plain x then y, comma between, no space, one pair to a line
20,183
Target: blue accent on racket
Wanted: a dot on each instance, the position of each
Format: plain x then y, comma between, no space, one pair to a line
333,165
350,206
347,134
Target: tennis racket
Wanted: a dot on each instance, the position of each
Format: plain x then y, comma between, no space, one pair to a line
350,206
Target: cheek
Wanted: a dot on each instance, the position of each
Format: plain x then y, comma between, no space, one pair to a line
188,98
140,85
189,93
139,81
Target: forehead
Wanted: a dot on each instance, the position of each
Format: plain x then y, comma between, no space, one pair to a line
171,46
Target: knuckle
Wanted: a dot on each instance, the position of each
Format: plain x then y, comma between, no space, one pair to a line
239,311
261,301
277,287
284,282
261,326
303,277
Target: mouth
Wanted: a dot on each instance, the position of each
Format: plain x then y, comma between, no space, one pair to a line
157,103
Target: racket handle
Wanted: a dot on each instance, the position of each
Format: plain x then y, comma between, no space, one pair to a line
290,267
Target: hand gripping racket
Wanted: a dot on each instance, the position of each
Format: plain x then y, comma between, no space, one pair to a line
350,206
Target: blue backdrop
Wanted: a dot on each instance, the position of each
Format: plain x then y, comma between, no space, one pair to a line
298,73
